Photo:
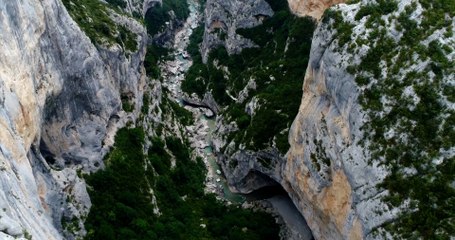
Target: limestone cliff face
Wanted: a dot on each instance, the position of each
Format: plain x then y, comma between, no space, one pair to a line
60,103
331,170
326,171
313,8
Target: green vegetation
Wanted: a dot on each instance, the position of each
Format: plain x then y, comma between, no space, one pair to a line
127,106
194,79
120,193
92,16
152,58
278,75
155,20
145,104
344,29
157,16
122,201
185,116
377,10
117,3
422,130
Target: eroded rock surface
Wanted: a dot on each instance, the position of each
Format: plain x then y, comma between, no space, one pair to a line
313,8
60,101
223,18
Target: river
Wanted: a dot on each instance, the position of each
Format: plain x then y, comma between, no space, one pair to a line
173,72
200,133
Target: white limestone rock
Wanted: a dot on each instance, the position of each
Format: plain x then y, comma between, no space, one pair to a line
59,100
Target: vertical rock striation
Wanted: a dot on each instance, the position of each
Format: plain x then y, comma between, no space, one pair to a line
339,169
326,171
60,101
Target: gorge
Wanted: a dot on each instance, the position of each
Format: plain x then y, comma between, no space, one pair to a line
173,119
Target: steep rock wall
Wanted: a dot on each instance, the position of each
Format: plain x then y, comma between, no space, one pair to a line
313,8
326,170
336,161
59,105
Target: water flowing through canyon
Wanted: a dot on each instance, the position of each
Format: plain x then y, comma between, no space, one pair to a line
202,130
173,72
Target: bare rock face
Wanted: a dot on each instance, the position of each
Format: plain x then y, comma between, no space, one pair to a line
223,18
316,173
247,171
328,171
60,99
149,4
313,8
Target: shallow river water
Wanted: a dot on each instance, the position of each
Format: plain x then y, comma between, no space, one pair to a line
173,72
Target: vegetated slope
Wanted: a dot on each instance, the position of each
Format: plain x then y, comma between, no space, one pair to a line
94,19
170,10
408,91
124,206
162,20
378,105
153,186
265,79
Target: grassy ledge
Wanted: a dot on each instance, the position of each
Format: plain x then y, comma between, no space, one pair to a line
92,16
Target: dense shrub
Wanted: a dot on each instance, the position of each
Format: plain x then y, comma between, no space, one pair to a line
280,97
117,3
93,18
421,175
122,201
156,17
382,7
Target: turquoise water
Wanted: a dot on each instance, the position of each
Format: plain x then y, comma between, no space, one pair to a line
227,194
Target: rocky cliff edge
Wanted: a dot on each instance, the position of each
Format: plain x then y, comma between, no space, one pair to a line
60,105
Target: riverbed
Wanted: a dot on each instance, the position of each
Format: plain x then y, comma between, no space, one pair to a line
201,132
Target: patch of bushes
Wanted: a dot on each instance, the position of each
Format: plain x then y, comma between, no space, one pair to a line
153,56
122,201
117,3
184,116
93,18
127,39
127,106
419,128
378,9
278,74
156,17
343,28
155,21
196,75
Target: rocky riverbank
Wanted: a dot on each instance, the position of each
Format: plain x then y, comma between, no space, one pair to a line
199,133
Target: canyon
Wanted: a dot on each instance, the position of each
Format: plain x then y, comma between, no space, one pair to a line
67,86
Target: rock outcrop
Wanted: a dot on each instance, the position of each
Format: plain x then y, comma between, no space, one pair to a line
247,171
368,90
60,105
312,8
223,18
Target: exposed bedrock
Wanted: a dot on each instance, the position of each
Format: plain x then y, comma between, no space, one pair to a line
313,8
223,18
247,171
60,105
